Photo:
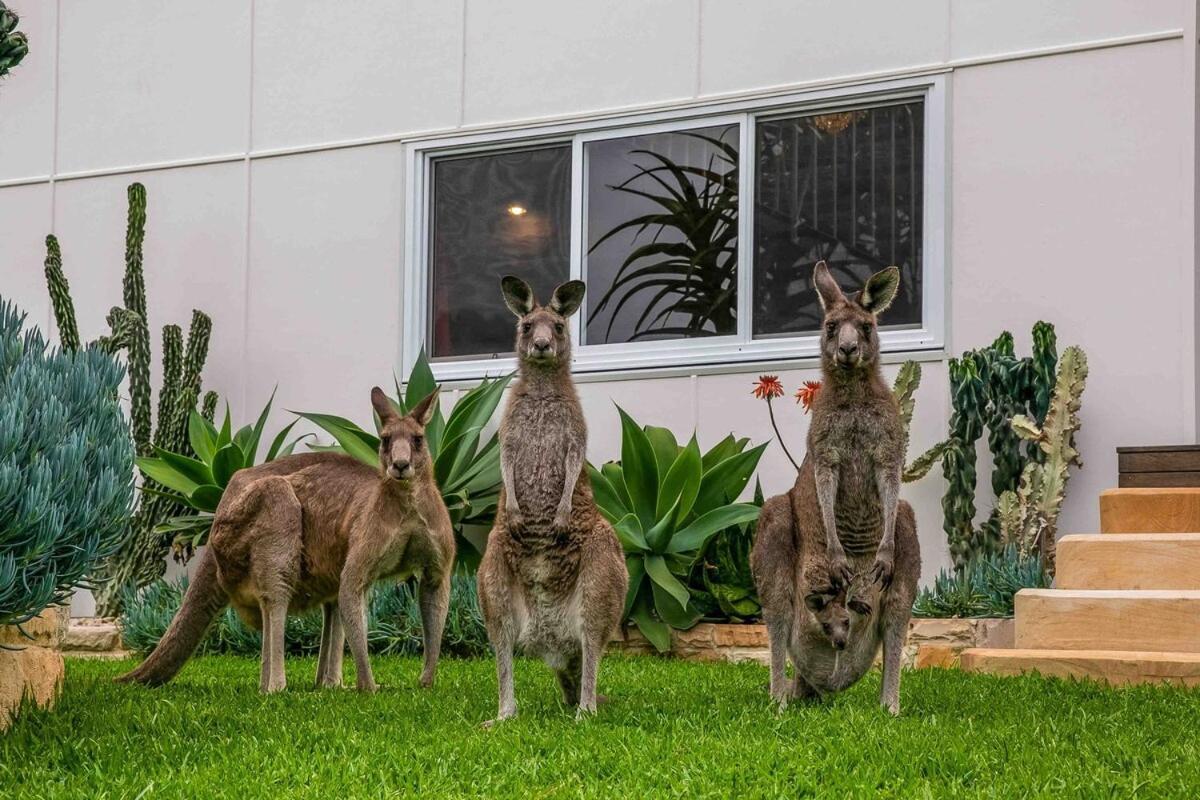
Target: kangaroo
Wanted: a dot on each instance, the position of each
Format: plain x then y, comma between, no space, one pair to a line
842,516
318,529
553,578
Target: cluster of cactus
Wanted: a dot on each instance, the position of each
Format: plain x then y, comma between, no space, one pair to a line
1028,515
141,558
66,467
13,44
988,388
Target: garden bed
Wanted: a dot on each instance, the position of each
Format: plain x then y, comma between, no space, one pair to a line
671,728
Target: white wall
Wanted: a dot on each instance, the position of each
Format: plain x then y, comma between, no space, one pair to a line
1069,125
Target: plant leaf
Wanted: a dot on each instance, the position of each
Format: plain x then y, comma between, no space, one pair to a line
660,574
228,460
639,468
694,536
202,436
158,470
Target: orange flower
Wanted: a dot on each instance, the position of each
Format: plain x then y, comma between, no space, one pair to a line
768,386
806,393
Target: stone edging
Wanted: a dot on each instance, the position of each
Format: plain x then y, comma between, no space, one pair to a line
931,642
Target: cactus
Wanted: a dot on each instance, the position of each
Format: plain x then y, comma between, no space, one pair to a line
908,379
60,296
1029,515
988,388
13,44
142,558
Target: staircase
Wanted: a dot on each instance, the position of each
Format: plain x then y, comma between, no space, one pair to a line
1126,607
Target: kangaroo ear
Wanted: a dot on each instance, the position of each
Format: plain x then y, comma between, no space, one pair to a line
817,601
860,607
880,290
828,291
423,411
518,295
381,404
567,298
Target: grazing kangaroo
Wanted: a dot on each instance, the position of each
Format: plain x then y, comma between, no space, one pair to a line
553,577
319,529
843,516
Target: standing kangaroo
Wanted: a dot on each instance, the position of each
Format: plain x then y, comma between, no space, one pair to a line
319,529
843,516
553,577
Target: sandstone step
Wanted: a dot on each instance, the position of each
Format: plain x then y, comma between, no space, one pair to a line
1112,666
1150,511
1132,561
1109,619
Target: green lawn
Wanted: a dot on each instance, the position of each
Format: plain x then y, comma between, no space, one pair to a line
671,729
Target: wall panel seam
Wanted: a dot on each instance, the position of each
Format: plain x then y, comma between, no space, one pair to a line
610,113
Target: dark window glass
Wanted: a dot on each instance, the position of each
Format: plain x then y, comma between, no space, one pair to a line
846,188
662,235
493,215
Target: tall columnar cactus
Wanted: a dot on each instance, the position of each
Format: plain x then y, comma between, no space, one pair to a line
142,558
1029,515
13,44
66,467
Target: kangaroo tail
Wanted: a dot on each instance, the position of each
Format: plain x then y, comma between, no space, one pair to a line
204,600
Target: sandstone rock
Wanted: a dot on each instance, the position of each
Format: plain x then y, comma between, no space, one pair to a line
96,636
45,630
33,671
937,655
942,631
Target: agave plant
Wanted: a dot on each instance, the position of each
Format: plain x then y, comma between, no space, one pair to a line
692,273
13,44
666,501
467,466
199,483
722,584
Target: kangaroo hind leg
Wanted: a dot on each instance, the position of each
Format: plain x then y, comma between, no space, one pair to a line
274,538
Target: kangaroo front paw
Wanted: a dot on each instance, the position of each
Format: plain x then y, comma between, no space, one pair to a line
562,522
840,573
881,570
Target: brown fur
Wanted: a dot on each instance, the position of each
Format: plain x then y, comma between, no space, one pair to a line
842,519
553,578
317,530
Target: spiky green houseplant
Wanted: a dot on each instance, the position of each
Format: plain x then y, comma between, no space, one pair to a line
687,270
666,501
1029,515
66,467
13,44
142,557
199,482
466,462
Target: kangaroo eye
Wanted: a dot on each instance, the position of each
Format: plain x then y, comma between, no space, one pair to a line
526,327
867,328
830,327
385,442
418,441
558,327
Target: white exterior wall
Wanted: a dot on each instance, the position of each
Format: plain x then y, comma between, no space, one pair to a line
1070,130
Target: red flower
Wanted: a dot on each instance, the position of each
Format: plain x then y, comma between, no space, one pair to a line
768,386
806,393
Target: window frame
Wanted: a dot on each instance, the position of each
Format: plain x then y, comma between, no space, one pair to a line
734,351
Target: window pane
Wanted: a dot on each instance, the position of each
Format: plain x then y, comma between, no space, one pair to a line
662,235
844,187
494,215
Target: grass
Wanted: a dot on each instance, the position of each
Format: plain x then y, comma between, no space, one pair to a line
672,729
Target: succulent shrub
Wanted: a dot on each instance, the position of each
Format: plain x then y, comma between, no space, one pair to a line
66,467
142,557
13,44
983,587
199,482
721,583
666,501
393,622
466,462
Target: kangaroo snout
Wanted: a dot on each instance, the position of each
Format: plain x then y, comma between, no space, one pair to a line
543,347
400,470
